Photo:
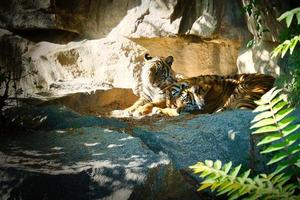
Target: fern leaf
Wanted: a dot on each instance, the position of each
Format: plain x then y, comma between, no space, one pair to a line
227,167
217,165
270,138
294,41
209,163
235,171
284,154
273,147
281,97
262,108
262,115
277,107
289,19
263,123
283,113
290,129
225,189
266,129
284,15
298,17
267,97
287,163
205,185
286,121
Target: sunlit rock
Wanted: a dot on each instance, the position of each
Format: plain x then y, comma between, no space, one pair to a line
258,59
131,18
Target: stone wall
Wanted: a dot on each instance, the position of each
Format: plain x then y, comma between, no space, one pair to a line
80,45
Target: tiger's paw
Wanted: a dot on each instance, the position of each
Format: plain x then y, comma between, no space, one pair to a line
156,111
172,112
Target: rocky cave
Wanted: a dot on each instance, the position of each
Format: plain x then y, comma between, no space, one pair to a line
72,62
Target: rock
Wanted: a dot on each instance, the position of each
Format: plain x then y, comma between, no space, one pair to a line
189,139
12,48
61,154
77,67
52,70
194,56
131,18
258,59
82,157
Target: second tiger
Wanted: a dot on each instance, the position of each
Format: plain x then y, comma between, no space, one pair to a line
213,93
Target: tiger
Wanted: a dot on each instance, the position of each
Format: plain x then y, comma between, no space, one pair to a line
156,75
213,93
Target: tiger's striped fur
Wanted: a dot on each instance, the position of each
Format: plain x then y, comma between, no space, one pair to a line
213,93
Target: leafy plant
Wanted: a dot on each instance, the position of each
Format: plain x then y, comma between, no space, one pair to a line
288,44
280,139
290,76
227,180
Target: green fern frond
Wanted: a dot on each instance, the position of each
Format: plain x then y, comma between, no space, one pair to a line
280,132
228,180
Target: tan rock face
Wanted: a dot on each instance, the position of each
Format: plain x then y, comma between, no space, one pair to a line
195,57
125,31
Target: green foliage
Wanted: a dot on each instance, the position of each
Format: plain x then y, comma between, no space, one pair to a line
290,77
282,141
288,16
285,46
288,44
227,180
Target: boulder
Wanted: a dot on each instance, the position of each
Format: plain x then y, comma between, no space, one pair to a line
62,154
258,59
131,18
66,155
51,70
189,139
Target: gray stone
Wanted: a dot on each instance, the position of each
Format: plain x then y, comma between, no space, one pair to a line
62,154
186,140
131,18
73,157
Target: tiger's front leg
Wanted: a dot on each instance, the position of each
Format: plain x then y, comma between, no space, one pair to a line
147,108
140,102
172,112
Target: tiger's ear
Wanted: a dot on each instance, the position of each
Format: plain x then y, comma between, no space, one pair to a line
147,57
169,60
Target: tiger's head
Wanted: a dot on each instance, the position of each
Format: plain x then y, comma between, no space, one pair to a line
184,97
156,75
159,71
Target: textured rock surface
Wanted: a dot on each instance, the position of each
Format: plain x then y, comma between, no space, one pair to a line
90,65
128,30
258,59
188,139
79,66
133,18
193,56
73,157
100,158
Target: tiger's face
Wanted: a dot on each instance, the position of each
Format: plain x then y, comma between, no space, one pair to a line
184,97
158,71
